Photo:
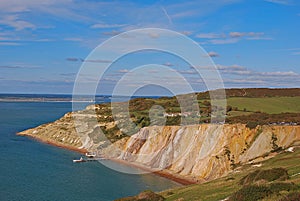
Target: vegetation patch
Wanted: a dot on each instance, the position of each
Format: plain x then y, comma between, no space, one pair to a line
252,107
295,196
144,196
251,193
283,186
274,174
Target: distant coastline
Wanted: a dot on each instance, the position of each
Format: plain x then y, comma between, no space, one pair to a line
63,98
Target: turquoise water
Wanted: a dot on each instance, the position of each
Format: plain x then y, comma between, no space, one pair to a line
33,171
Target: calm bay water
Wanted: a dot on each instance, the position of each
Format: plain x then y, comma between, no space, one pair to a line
33,171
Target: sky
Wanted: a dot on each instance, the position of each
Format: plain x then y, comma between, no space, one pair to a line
43,44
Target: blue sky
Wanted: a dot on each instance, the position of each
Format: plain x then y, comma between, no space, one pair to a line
43,43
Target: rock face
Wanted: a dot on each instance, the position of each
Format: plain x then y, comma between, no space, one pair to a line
75,130
61,132
203,152
206,151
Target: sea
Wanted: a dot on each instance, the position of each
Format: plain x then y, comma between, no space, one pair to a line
33,171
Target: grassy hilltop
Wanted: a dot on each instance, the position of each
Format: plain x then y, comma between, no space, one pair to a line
254,106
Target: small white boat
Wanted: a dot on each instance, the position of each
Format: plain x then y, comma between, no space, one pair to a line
90,155
79,161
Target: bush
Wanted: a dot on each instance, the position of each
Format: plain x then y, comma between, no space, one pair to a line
281,186
252,124
268,175
251,193
144,196
291,197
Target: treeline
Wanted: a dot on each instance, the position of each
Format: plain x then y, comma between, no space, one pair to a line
259,118
254,93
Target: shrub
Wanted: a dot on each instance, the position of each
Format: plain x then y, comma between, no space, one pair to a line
251,193
281,186
252,124
144,196
291,197
268,175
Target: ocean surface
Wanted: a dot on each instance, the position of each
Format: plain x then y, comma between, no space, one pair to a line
32,171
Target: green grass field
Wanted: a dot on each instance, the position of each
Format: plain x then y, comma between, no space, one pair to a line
272,105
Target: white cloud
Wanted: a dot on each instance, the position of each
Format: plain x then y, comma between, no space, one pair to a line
111,33
23,6
17,66
96,60
123,71
243,71
224,41
234,70
168,64
240,76
213,54
279,73
15,22
105,26
242,82
242,34
231,37
231,68
187,33
72,59
236,34
210,35
9,44
184,14
188,72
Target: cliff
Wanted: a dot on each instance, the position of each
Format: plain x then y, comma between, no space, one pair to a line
65,132
202,152
206,151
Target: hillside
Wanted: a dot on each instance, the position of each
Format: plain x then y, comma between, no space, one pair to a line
275,179
225,187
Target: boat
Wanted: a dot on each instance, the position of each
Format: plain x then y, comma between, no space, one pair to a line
90,155
79,160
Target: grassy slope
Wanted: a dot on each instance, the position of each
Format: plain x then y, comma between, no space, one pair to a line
224,187
270,105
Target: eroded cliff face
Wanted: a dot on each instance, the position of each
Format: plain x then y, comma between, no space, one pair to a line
79,130
205,151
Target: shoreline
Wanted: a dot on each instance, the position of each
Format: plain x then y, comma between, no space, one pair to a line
162,173
55,144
